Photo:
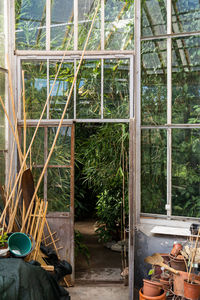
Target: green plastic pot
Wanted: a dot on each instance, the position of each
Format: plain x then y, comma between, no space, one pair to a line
20,245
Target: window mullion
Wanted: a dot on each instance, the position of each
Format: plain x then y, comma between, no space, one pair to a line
48,88
102,87
102,23
75,85
169,110
48,24
75,25
45,158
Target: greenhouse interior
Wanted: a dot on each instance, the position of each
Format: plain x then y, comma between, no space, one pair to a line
100,149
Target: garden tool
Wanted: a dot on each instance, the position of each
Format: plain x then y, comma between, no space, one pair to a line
156,259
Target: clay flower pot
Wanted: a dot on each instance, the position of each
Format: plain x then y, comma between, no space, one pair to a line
177,247
178,282
165,284
144,297
177,263
151,288
191,290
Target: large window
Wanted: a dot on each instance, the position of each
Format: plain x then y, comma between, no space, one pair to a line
103,90
170,94
64,24
167,38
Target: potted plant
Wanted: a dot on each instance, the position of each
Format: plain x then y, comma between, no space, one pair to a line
191,285
3,243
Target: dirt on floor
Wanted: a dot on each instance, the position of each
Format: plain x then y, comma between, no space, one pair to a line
100,279
104,264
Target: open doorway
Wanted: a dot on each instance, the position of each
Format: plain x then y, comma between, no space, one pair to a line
101,201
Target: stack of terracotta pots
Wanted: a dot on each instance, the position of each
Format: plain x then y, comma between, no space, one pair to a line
177,261
152,290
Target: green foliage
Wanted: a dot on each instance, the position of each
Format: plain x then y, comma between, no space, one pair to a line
3,239
104,159
80,247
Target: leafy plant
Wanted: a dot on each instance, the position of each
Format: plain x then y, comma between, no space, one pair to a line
104,158
3,239
80,247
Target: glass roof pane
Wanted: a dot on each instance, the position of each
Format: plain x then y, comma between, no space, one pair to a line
185,15
154,17
86,11
119,25
62,25
30,19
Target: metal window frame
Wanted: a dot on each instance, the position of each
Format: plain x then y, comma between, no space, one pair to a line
75,58
169,126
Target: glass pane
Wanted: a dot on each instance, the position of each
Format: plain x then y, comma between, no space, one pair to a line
86,10
185,15
154,82
186,80
186,172
58,190
30,24
2,167
88,90
2,51
116,88
61,90
36,88
36,175
62,151
37,149
2,35
2,94
153,171
62,25
119,25
154,17
1,16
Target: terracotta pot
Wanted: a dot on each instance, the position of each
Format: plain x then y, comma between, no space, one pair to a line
178,281
191,290
177,264
151,288
144,297
177,247
165,284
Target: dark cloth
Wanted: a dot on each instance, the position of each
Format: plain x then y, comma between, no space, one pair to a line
20,280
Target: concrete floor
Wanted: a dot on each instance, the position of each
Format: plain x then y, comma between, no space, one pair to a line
101,279
99,292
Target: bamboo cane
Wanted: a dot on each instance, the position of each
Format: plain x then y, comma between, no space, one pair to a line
193,255
45,238
38,219
51,236
33,218
33,138
39,236
52,242
63,115
24,115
